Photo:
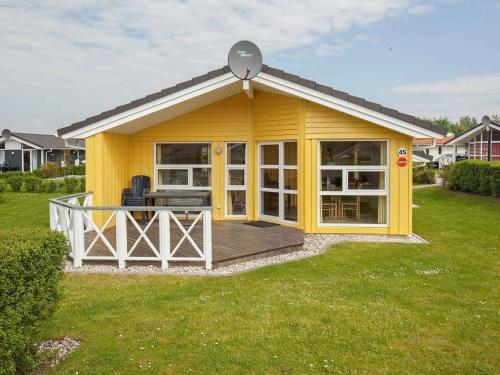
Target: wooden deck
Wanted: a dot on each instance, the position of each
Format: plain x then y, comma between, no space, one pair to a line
232,241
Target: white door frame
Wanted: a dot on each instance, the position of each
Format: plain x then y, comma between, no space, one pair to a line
281,179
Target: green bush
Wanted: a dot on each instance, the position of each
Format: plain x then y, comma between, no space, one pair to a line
495,179
475,176
50,186
50,170
15,182
37,173
6,175
70,184
31,265
445,173
423,175
83,184
33,184
3,186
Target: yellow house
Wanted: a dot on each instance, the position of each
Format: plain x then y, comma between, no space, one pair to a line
276,148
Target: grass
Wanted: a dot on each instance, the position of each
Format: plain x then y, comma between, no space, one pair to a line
25,209
358,309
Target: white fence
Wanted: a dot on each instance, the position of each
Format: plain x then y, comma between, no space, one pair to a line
73,216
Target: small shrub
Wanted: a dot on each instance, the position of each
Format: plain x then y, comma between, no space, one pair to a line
70,184
15,182
49,170
50,186
31,265
33,184
83,184
3,186
423,175
37,173
446,170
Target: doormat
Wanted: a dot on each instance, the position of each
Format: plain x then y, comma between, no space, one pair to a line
261,224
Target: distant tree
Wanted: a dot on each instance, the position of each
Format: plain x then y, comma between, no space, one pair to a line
463,124
495,117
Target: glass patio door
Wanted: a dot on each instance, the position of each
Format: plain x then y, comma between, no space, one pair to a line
278,181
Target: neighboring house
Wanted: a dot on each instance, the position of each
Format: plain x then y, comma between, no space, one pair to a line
26,151
276,148
481,142
419,157
436,148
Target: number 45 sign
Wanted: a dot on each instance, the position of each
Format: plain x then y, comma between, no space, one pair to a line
402,152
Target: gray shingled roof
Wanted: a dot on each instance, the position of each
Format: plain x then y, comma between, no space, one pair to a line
265,69
49,141
422,154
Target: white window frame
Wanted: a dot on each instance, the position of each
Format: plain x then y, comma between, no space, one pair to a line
281,177
189,167
227,187
345,183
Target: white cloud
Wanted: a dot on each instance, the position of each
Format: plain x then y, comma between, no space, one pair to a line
473,95
420,9
61,61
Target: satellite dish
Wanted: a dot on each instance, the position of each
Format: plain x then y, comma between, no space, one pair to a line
485,120
245,60
6,134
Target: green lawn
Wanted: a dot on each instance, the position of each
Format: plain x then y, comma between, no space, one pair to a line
26,209
359,308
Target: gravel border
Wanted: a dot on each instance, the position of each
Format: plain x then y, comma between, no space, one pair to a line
314,244
63,347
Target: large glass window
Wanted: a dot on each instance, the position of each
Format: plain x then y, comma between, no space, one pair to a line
236,179
278,180
478,146
183,166
353,179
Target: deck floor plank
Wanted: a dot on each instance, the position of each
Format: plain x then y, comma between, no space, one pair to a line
231,240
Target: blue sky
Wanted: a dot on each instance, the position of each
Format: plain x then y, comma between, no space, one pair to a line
62,61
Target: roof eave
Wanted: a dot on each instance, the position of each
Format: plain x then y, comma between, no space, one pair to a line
347,107
147,108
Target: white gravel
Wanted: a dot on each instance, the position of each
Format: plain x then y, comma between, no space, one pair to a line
314,244
63,348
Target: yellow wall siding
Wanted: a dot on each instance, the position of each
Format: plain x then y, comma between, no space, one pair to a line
228,120
107,170
276,117
322,123
112,159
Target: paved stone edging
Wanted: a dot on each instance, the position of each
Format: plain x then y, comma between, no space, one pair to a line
63,347
314,244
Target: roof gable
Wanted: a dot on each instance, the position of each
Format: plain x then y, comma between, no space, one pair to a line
277,79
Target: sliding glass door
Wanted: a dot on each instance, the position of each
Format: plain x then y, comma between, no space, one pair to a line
278,180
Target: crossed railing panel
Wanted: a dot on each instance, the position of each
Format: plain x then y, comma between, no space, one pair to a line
121,237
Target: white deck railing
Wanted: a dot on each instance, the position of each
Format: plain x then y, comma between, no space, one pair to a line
73,216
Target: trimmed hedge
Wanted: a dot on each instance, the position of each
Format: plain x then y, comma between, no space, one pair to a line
15,182
475,176
70,184
424,175
31,265
3,186
33,184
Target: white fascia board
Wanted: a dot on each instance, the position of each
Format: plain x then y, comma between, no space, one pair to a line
25,142
464,137
345,107
420,159
151,107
